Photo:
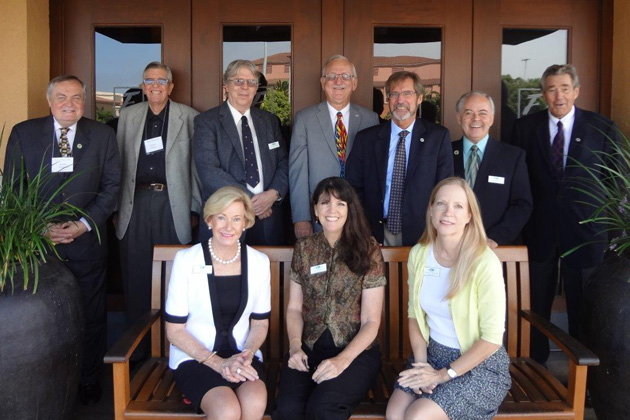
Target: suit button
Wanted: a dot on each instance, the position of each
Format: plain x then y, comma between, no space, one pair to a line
223,333
380,222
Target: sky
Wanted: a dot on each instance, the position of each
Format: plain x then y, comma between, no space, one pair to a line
541,52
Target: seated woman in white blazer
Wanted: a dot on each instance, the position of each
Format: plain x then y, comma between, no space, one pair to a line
217,314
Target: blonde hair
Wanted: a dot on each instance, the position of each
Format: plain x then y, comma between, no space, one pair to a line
223,198
473,243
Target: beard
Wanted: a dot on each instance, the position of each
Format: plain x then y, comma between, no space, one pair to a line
401,113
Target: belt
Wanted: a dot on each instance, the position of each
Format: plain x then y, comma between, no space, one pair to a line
155,186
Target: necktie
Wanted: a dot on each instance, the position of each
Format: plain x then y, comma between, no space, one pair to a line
472,166
557,151
394,216
64,144
251,166
341,139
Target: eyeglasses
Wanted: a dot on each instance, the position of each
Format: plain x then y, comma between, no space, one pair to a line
250,82
407,94
161,82
332,77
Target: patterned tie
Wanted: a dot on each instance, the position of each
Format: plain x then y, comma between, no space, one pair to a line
251,166
472,166
64,144
394,217
341,138
557,151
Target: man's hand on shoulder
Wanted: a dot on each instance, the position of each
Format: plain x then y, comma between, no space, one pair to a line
303,229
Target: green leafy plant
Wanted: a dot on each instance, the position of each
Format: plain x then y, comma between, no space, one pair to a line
25,215
607,183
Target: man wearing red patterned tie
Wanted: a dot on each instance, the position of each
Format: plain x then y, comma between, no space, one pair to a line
322,139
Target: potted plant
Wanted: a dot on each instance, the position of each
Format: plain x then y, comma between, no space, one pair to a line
40,303
605,326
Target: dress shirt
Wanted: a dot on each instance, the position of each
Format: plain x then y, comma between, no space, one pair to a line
567,127
481,149
239,127
70,135
393,143
152,168
345,117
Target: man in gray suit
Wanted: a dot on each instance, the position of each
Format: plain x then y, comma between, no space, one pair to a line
240,145
159,195
322,138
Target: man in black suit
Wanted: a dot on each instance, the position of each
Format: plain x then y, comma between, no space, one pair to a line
240,145
68,144
554,141
395,165
496,171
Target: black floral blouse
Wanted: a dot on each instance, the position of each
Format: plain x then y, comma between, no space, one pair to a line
331,292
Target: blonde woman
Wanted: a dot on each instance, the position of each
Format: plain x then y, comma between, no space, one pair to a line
459,368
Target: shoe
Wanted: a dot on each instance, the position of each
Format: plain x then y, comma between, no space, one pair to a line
90,393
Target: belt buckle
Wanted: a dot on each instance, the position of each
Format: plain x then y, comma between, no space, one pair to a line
157,186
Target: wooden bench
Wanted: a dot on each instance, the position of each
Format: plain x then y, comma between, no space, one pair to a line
535,393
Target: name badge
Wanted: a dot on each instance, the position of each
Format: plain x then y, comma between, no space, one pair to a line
153,145
316,269
62,164
274,145
202,269
496,179
431,272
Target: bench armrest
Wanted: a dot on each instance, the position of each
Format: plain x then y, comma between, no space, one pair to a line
575,350
123,348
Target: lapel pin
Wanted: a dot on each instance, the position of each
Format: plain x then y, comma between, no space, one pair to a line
456,152
578,139
79,146
421,139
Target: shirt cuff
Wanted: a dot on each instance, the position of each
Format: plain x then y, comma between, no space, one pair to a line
87,225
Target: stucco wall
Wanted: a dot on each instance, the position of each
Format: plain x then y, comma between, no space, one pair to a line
620,109
24,63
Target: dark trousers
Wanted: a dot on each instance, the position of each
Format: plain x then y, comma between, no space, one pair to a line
255,235
151,224
543,281
90,276
299,397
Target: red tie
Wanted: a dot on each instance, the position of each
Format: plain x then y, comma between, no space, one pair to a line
341,138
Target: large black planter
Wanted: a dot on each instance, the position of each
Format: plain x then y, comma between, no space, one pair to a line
606,331
40,347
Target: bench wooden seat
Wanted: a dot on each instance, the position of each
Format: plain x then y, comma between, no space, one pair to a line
535,392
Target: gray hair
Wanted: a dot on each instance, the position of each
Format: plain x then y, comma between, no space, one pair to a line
400,76
158,66
235,66
465,96
559,70
64,78
338,57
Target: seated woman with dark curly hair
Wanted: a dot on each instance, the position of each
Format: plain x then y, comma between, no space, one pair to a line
334,311
217,314
459,369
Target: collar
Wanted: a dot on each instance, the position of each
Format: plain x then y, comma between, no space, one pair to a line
236,114
73,127
567,120
321,238
481,145
396,129
333,112
161,115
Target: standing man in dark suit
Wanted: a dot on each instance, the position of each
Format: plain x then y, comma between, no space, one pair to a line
395,165
159,189
69,144
322,139
554,141
237,144
496,171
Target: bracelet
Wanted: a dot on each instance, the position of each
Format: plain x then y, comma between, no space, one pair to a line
249,350
291,341
208,358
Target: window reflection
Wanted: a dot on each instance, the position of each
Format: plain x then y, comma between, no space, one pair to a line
269,48
418,50
121,54
526,53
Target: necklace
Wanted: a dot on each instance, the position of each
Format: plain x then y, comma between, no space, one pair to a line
219,260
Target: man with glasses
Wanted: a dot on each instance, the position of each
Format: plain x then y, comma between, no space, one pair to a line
241,145
394,166
322,138
159,199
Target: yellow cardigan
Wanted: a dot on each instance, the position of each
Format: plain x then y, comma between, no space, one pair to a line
478,310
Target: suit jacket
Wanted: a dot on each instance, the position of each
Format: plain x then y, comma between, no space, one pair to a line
555,220
94,189
181,176
313,154
506,203
218,155
429,162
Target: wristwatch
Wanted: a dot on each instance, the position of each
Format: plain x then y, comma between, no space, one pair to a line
451,372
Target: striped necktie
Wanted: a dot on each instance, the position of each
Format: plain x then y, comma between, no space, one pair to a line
341,139
472,166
